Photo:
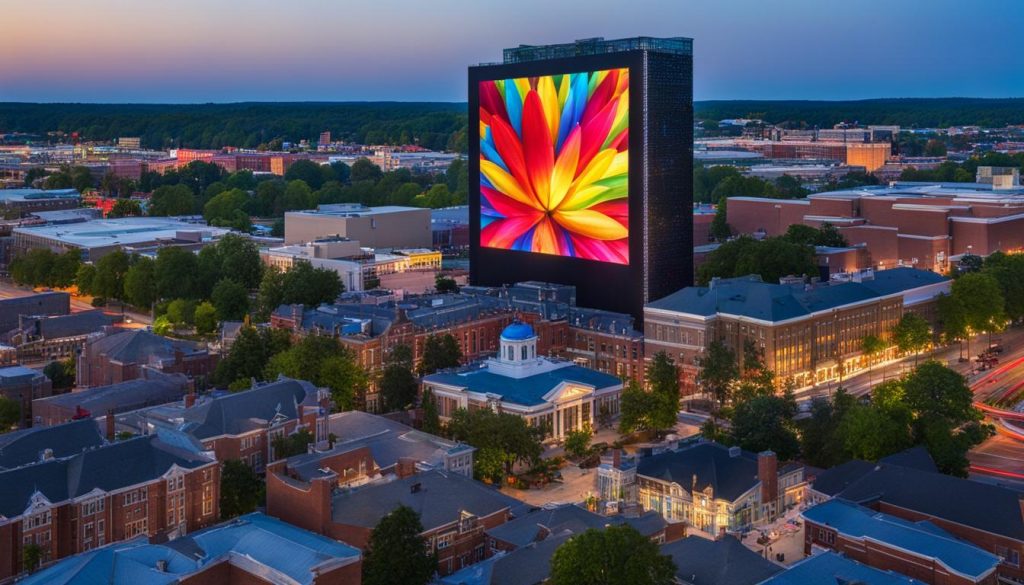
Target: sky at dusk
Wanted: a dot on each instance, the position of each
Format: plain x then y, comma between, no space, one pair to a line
418,50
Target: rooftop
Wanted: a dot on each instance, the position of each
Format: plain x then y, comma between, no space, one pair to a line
526,565
526,391
26,446
725,561
829,568
126,231
437,496
151,389
729,472
281,552
750,297
539,523
356,210
141,346
598,46
928,541
22,195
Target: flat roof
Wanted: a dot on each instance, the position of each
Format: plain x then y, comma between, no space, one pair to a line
355,210
30,194
101,233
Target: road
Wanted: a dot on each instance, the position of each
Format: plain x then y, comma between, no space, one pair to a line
1001,456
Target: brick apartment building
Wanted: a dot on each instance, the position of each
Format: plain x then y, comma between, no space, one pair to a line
253,549
240,425
807,333
67,500
908,224
988,516
455,510
117,357
23,385
918,550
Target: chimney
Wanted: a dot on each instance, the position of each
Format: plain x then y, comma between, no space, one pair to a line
190,398
616,458
768,474
406,467
110,425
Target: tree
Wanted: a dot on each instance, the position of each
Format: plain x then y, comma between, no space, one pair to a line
323,361
397,383
181,312
577,443
249,354
397,553
205,318
61,373
221,208
172,200
819,441
230,299
982,300
297,195
720,229
766,423
431,420
439,352
296,443
616,555
507,434
718,372
140,282
162,325
1008,270
31,556
241,489
65,268
364,170
636,406
84,278
110,272
176,271
307,171
869,432
871,346
125,208
445,284
911,334
10,413
663,379
305,285
771,259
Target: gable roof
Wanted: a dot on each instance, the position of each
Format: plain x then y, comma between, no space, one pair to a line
725,561
440,499
26,446
528,565
153,388
929,542
915,458
73,325
730,474
835,479
527,391
542,522
240,412
139,345
106,468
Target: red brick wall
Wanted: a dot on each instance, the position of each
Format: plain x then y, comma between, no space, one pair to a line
304,504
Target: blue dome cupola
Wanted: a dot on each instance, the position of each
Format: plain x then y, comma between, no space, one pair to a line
518,343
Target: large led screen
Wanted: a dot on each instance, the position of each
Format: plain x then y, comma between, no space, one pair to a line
554,165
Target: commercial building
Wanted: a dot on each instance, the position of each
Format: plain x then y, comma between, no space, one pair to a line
985,515
373,227
555,395
905,224
15,203
117,357
919,550
623,215
253,548
718,489
40,304
869,155
455,510
98,238
54,337
807,333
145,486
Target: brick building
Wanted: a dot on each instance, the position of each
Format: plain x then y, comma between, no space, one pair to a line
249,550
68,501
918,550
120,356
151,389
988,516
54,337
807,333
455,510
715,489
241,425
909,224
23,385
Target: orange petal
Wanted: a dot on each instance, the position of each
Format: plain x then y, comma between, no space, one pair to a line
591,224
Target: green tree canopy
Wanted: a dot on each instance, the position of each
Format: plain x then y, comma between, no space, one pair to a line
205,318
719,372
765,423
250,353
397,553
230,299
617,555
176,272
241,490
140,282
506,434
439,352
172,200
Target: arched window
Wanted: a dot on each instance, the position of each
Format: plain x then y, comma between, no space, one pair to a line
524,352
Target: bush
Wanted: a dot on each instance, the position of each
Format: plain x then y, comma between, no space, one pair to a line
99,301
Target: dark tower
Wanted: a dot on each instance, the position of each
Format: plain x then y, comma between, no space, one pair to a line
581,169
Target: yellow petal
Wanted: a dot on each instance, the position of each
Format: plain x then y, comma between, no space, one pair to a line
549,99
565,168
619,166
523,85
563,92
591,224
594,171
505,183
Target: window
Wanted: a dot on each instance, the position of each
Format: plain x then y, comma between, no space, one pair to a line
175,483
37,520
445,540
135,528
92,506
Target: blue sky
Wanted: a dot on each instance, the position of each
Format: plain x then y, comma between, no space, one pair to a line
323,50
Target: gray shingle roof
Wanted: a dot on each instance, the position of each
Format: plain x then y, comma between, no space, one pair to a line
725,561
73,325
155,388
440,499
834,480
914,458
26,446
240,412
137,345
529,565
749,297
539,523
107,468
729,476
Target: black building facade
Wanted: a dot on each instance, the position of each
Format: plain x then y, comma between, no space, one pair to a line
575,236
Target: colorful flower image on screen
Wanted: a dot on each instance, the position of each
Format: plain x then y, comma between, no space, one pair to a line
554,165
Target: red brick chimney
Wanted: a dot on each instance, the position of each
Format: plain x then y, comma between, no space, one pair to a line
406,467
616,458
768,474
190,398
110,425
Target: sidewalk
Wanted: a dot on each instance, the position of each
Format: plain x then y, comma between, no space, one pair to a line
787,542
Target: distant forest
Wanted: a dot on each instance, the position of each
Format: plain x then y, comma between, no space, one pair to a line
437,125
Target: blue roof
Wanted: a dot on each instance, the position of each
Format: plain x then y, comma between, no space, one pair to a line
276,546
748,296
517,331
861,523
830,568
528,391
